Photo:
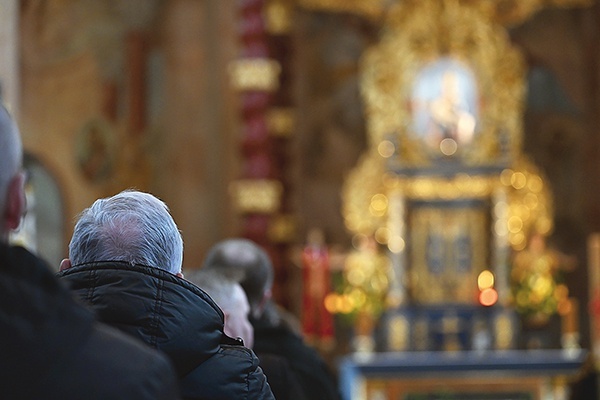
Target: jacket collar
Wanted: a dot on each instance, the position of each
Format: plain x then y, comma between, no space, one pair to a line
163,310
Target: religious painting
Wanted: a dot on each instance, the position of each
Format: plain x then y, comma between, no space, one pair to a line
444,104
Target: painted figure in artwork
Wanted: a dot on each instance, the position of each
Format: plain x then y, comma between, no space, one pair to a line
444,103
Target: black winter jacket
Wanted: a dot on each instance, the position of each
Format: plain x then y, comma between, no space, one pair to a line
313,374
52,348
175,316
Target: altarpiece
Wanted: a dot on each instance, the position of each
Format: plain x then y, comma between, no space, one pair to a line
446,190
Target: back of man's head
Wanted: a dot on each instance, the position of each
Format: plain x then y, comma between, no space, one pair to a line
245,258
131,226
230,297
10,164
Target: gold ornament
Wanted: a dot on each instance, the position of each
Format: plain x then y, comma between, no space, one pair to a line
254,74
281,121
256,195
506,12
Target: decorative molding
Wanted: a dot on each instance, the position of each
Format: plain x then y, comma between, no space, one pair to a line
278,17
369,8
506,12
261,74
262,196
281,121
513,12
283,228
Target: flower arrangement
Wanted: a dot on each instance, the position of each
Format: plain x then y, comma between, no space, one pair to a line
536,277
361,290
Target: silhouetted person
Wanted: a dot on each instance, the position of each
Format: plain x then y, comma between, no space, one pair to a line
125,262
274,331
51,347
231,298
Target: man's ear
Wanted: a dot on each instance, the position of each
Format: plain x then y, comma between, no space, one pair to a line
266,297
16,203
65,264
260,308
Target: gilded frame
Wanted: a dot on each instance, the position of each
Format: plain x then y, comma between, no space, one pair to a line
418,34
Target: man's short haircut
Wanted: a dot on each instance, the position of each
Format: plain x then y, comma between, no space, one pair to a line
11,153
131,226
246,260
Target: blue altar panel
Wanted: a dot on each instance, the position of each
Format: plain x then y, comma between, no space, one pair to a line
479,369
447,327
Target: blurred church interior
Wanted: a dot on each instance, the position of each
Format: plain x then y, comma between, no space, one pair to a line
423,173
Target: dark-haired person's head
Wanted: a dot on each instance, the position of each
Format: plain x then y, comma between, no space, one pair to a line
248,263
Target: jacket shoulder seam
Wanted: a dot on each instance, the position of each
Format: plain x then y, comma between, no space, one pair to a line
158,302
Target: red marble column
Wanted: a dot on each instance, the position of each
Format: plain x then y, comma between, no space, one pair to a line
255,142
281,123
261,152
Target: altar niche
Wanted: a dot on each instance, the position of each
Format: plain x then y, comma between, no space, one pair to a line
450,243
448,249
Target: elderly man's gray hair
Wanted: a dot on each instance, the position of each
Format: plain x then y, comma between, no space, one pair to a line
131,226
220,287
10,153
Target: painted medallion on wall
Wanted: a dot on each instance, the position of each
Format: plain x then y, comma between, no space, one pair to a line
95,150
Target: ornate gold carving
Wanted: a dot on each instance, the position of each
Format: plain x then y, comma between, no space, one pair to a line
255,74
530,208
256,195
511,12
278,16
507,12
398,333
504,332
362,184
282,228
463,186
281,121
370,8
419,33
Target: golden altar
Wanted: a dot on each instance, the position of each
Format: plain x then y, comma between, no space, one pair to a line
445,189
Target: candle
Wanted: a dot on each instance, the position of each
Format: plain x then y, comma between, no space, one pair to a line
570,321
